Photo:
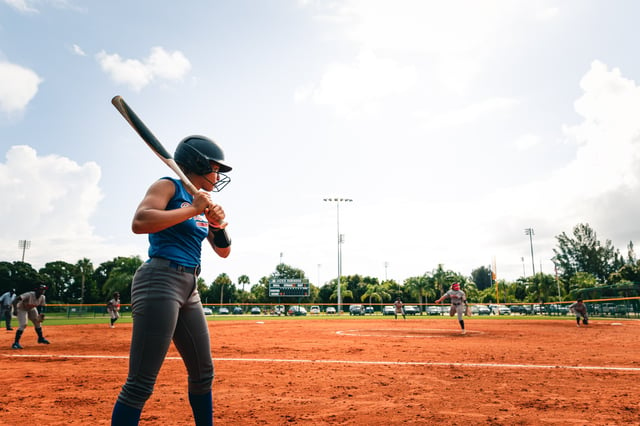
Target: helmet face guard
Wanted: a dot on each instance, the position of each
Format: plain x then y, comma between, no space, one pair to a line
455,286
223,180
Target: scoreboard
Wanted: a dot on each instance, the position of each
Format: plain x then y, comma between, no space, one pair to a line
288,287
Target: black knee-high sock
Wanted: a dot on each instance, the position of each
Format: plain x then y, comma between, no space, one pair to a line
18,335
461,324
202,408
39,332
123,415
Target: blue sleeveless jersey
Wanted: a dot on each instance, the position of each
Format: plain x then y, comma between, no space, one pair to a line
181,243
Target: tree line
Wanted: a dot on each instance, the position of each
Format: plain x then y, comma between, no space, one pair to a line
584,266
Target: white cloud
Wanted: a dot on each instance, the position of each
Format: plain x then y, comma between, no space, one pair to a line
49,200
600,186
137,74
526,142
468,114
359,87
548,13
18,86
78,50
455,39
608,138
425,26
28,6
21,5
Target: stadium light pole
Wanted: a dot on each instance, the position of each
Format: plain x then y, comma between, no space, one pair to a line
555,268
340,240
24,245
530,233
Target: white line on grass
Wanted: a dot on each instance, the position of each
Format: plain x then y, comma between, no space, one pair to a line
351,362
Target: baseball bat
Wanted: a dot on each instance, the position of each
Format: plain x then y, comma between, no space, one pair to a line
150,139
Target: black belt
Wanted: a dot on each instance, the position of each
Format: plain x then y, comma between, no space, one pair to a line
193,270
456,304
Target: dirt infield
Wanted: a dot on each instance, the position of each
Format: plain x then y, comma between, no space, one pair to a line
344,371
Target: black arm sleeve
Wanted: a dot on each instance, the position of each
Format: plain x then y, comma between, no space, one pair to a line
220,237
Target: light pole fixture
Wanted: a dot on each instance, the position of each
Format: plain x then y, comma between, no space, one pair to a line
24,245
530,233
555,268
340,240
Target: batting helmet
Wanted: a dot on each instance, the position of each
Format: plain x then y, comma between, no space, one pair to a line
195,152
455,286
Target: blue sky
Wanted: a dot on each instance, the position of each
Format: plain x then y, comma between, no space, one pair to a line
453,126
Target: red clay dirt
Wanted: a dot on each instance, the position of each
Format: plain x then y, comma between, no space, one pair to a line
347,371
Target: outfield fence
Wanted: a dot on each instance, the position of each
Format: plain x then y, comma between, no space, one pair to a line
613,308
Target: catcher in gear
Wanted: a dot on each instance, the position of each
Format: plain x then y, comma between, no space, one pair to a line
580,310
458,303
29,306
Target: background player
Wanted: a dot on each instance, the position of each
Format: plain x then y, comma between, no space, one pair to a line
165,303
399,308
580,309
26,307
6,301
113,307
458,302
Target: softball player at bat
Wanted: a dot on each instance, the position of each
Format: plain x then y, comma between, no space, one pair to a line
113,307
458,303
26,308
580,310
165,303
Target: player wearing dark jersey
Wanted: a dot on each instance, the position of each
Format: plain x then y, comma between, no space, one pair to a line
165,303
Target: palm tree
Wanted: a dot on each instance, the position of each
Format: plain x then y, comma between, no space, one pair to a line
121,275
376,292
344,292
471,291
421,287
541,286
443,279
85,268
242,280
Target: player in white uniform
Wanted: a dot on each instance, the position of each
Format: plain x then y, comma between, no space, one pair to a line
458,302
6,300
26,308
399,308
580,310
113,307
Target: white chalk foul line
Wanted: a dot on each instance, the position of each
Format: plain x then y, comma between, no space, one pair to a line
351,362
427,333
